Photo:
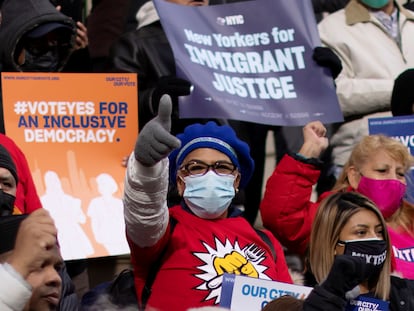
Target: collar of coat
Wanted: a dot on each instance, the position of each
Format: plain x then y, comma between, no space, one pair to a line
355,12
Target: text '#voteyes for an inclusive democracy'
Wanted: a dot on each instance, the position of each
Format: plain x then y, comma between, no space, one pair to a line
70,122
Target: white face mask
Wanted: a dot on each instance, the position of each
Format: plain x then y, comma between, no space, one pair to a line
208,196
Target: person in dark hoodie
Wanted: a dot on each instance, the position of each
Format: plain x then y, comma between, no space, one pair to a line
35,37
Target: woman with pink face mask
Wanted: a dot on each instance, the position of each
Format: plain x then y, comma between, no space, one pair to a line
376,168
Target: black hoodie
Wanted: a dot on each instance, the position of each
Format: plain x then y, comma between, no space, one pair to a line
18,17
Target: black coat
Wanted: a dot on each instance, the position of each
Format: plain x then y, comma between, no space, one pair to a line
147,52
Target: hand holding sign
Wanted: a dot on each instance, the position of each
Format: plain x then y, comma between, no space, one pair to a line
325,57
170,85
346,273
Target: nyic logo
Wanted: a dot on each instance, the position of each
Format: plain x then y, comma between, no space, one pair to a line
230,20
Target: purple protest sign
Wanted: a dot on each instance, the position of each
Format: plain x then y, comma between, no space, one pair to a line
250,61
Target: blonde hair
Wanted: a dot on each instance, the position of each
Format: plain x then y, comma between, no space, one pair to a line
403,219
332,215
366,148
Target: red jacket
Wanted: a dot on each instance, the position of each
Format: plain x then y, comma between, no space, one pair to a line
286,209
198,252
27,199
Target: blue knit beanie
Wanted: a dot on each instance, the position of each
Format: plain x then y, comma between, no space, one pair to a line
219,137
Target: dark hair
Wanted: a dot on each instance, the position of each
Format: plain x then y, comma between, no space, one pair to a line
284,303
332,215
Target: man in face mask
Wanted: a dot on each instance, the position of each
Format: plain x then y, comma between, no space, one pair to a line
35,37
44,48
32,32
205,236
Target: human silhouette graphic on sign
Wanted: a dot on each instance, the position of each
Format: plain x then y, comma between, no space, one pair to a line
68,215
107,217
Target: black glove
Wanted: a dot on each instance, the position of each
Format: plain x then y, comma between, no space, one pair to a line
409,5
346,273
324,57
155,141
402,97
170,85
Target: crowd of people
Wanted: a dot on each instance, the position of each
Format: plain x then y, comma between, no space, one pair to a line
193,187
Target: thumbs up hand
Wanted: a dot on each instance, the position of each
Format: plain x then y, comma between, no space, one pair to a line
155,141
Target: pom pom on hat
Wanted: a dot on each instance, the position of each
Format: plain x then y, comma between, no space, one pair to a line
219,137
402,98
7,162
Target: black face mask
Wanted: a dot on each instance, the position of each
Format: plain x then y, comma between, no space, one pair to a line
6,203
46,62
373,250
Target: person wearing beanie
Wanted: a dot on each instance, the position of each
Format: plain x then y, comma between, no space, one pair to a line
27,198
197,241
29,259
8,182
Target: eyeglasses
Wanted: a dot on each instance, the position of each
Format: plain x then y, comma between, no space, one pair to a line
199,168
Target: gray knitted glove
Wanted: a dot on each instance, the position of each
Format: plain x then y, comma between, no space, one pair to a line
155,141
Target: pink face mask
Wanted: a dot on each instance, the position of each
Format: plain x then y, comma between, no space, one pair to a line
387,194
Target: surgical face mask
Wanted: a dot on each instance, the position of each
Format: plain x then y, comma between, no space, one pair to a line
47,62
375,4
6,203
373,251
387,194
208,196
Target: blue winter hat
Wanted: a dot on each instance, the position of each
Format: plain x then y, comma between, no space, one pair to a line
219,137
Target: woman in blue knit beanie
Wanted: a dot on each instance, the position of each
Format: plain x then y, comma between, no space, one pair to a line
199,240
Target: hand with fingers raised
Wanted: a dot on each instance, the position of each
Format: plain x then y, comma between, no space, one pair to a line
155,141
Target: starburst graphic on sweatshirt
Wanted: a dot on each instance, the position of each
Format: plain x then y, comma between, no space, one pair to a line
212,279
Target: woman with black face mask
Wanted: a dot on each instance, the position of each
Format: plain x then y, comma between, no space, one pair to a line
376,168
350,257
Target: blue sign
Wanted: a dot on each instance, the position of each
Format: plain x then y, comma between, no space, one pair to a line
367,303
250,61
